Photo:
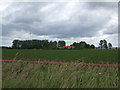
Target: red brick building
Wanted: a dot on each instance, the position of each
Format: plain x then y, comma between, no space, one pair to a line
68,47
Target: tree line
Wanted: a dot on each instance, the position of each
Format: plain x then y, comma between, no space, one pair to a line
45,44
82,45
37,44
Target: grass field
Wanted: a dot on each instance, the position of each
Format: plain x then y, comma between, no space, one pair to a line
28,75
94,56
17,75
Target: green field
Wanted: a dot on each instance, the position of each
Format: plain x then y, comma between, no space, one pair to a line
93,56
28,75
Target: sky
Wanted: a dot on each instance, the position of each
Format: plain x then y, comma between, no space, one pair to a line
68,21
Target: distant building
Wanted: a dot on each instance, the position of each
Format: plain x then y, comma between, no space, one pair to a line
60,47
66,47
69,47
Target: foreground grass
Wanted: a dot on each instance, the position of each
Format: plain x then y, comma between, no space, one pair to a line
26,75
93,55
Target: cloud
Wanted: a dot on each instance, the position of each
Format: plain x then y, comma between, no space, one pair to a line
102,5
60,21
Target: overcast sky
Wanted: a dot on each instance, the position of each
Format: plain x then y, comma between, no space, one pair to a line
69,21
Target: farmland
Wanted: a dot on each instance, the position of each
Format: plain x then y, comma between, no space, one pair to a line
30,75
93,56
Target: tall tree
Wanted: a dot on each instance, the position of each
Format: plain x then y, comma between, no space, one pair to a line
92,46
15,44
61,43
109,45
103,44
76,45
55,44
83,45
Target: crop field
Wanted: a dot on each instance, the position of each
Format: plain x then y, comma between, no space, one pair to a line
48,75
93,56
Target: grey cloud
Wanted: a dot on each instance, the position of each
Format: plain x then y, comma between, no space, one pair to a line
111,30
102,5
83,22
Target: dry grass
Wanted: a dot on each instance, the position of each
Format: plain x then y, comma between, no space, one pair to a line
26,75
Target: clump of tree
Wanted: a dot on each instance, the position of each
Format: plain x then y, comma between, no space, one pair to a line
82,45
103,44
36,44
45,44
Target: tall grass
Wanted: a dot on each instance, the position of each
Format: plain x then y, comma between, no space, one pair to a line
26,75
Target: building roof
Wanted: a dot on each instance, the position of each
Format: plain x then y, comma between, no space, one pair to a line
68,46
